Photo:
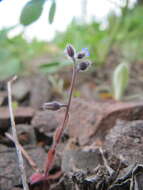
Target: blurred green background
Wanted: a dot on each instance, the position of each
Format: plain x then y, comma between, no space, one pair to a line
120,37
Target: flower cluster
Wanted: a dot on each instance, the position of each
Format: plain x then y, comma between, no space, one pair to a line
84,64
81,64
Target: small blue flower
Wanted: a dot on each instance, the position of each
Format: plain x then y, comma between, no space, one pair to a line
86,51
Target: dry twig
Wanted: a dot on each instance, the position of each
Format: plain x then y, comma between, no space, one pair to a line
14,134
25,154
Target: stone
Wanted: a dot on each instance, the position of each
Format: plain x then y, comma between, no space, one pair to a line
125,140
21,88
26,134
77,158
44,124
9,170
45,121
3,95
40,91
21,115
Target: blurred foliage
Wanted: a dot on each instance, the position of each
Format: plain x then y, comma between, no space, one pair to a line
124,33
14,52
53,66
129,36
84,36
33,10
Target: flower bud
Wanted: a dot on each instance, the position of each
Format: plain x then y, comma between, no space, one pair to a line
83,65
80,55
53,106
70,50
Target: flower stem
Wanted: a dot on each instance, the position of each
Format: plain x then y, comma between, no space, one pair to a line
52,151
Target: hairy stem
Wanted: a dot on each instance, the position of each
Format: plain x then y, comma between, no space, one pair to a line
52,151
68,104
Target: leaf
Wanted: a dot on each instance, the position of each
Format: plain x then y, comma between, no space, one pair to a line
52,12
9,68
50,160
31,12
49,65
52,67
120,80
36,177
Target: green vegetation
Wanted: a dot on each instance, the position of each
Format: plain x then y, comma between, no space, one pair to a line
15,52
129,37
123,33
81,35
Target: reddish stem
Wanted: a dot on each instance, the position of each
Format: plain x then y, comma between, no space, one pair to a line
51,157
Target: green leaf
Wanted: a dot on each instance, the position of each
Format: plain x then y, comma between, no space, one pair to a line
50,67
52,12
9,68
31,12
53,66
120,80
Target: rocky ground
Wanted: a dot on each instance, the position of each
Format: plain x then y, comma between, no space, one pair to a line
100,150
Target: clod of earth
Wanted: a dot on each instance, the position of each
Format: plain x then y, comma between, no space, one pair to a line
21,114
75,158
44,124
125,140
9,172
40,91
21,88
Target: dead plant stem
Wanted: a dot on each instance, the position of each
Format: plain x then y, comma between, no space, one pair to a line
13,126
25,154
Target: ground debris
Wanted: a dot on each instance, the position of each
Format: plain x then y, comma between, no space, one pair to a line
101,180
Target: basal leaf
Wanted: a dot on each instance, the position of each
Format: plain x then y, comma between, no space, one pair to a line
31,12
120,80
52,67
